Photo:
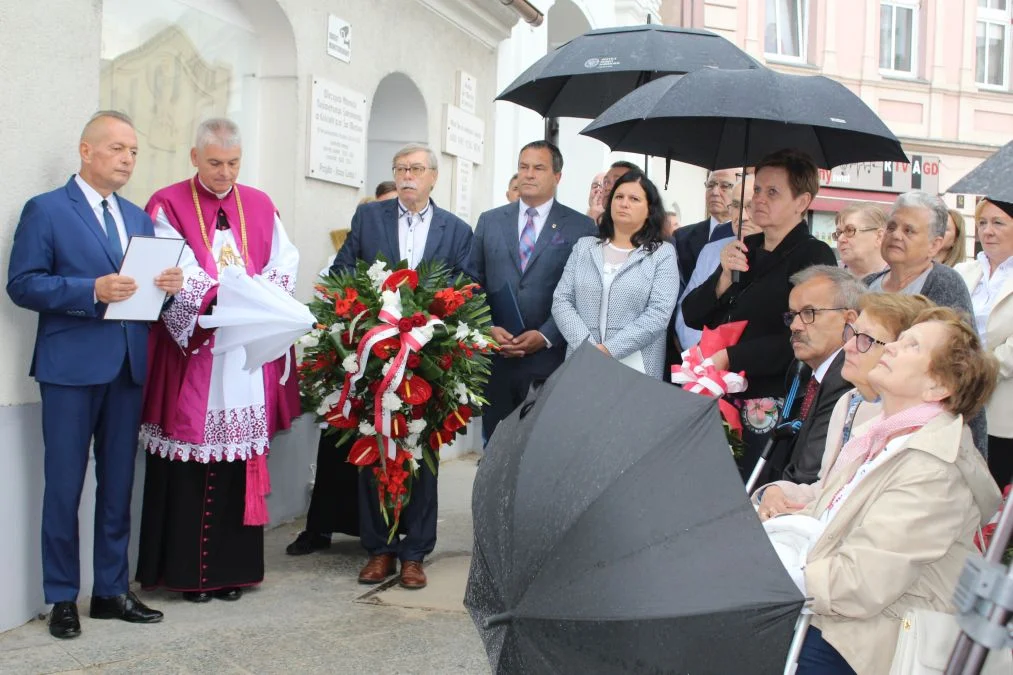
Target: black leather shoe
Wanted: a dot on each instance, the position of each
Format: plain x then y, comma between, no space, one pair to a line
63,621
229,594
307,542
126,607
197,596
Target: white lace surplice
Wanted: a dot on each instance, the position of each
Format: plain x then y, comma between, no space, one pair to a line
235,427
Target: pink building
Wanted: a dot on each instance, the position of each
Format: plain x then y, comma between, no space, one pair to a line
936,71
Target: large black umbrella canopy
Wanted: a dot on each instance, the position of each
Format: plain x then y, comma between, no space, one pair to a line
992,178
591,72
719,119
612,534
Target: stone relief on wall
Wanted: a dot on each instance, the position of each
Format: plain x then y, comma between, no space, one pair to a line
167,87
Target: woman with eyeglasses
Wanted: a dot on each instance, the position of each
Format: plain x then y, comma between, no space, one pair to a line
892,528
989,279
914,235
883,317
785,184
859,232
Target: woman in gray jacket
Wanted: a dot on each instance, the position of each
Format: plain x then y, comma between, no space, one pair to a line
618,289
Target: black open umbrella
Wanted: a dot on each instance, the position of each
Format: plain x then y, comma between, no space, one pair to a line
992,178
591,72
724,118
612,535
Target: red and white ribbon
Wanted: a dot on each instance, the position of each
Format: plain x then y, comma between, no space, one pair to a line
411,341
698,375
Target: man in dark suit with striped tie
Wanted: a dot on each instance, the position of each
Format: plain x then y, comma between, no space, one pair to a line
518,256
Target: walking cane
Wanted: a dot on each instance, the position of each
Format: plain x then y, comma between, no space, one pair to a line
801,628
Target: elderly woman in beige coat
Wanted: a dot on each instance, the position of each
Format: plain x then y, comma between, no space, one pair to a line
899,521
882,319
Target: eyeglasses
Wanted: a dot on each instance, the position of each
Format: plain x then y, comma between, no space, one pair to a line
596,186
850,232
415,170
711,184
808,315
863,341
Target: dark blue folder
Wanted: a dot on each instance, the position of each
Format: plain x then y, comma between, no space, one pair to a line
505,311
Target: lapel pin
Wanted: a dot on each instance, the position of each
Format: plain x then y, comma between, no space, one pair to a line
553,226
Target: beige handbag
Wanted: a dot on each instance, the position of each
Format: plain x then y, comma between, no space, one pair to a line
925,641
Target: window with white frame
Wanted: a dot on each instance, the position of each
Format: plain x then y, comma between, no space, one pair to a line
898,36
992,42
786,32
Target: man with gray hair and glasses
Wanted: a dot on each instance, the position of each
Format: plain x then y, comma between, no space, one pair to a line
411,228
823,300
207,422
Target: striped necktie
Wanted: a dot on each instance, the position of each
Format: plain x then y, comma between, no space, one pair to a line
527,243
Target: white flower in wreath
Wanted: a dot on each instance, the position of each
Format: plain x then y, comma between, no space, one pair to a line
311,339
386,368
412,442
351,364
366,429
416,453
337,327
414,462
416,426
391,401
461,392
378,273
462,331
329,402
479,340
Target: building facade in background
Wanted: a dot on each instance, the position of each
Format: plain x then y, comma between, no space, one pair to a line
936,71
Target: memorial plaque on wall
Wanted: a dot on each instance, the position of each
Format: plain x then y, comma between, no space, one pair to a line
337,134
463,134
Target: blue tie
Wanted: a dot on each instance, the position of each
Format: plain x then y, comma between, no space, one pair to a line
527,246
114,234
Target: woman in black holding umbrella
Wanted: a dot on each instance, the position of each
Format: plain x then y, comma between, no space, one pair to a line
785,184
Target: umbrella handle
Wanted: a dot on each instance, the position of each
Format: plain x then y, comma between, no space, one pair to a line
497,619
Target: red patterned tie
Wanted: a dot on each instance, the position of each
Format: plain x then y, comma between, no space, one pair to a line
809,398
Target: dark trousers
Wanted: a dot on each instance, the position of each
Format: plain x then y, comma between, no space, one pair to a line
334,504
418,519
71,417
818,657
1000,459
508,386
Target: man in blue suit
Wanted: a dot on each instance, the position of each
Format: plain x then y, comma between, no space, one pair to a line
64,265
414,229
410,227
519,254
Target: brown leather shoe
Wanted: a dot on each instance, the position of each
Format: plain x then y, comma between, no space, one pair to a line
412,576
378,568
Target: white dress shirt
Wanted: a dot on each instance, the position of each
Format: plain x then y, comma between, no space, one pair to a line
412,231
984,295
539,218
714,224
95,202
821,372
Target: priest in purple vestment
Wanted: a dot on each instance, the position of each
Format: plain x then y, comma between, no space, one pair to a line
207,422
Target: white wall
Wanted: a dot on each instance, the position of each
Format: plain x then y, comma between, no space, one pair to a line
50,72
